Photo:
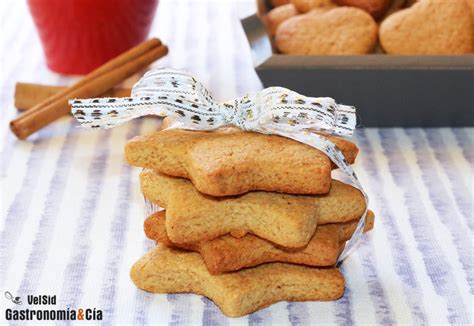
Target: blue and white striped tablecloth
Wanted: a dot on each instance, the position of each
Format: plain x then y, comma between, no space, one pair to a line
72,212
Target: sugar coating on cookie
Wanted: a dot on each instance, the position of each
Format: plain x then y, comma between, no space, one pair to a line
429,27
166,270
342,30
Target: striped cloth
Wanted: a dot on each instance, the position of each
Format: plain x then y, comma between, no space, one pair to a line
72,212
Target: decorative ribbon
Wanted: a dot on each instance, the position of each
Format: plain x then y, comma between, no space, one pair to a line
275,110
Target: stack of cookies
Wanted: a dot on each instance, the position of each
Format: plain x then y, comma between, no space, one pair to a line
249,219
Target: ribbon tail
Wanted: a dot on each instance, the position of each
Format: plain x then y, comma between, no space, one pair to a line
110,112
160,92
345,120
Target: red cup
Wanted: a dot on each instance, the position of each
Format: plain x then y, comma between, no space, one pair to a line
80,35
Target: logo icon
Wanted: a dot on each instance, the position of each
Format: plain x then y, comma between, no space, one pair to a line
15,300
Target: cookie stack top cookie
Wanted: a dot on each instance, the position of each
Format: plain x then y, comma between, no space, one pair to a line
231,162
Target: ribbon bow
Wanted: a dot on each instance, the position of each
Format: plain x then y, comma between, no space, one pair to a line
275,110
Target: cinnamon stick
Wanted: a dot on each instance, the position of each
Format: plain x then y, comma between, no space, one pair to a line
110,65
97,82
27,95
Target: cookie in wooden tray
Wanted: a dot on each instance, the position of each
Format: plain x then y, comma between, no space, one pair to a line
232,162
337,31
429,27
277,15
304,6
374,7
167,270
227,253
288,220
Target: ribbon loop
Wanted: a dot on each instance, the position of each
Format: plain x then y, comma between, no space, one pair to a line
322,114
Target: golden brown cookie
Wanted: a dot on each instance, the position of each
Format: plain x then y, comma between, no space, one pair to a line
231,162
287,220
277,3
470,3
410,3
165,270
304,6
342,30
347,229
277,15
395,6
374,7
429,27
226,253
